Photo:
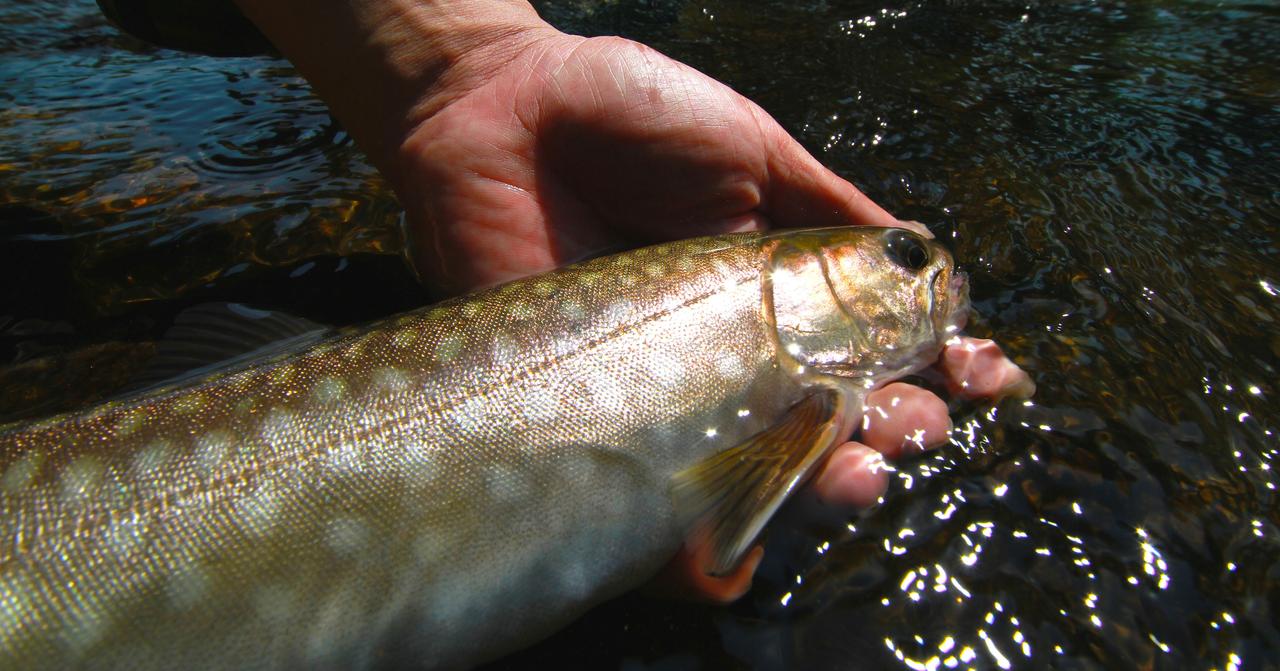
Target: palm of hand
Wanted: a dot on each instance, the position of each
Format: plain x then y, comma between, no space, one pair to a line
575,146
581,145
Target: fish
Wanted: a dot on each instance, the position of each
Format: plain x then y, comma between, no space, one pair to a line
448,485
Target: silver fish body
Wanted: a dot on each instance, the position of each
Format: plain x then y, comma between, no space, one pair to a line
451,484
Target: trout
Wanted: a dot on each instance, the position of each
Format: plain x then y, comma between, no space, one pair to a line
445,486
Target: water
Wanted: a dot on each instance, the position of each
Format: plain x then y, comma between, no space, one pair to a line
1106,171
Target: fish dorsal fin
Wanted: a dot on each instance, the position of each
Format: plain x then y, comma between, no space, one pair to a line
729,497
213,337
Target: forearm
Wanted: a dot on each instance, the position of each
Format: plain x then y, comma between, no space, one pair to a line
383,66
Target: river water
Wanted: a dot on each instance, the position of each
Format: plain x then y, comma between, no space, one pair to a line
1107,172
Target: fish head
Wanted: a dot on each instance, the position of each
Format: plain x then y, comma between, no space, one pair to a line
865,303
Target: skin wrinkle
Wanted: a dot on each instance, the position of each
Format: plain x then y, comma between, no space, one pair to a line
641,77
597,94
456,191
740,155
528,118
426,109
554,75
619,78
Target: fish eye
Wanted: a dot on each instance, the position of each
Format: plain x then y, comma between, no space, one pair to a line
906,250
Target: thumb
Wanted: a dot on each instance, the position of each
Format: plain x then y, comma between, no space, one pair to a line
801,192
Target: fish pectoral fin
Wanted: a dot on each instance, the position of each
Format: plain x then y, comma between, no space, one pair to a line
728,498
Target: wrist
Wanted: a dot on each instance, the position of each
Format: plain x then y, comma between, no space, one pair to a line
385,66
437,50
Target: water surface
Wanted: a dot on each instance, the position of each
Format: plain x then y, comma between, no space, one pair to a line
1106,172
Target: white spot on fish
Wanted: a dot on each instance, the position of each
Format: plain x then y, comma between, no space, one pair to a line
404,339
259,511
664,368
84,629
793,349
187,587
123,536
448,347
505,351
471,414
282,375
730,366
506,484
541,405
744,412
391,380
21,474
328,390
80,479
417,455
278,423
712,432
152,457
601,390
575,579
616,312
346,536
131,421
572,310
212,449
275,605
189,404
522,310
429,550
346,457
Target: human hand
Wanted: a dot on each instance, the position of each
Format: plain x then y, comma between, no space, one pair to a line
577,145
515,148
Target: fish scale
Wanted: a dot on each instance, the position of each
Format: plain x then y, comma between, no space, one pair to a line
447,485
